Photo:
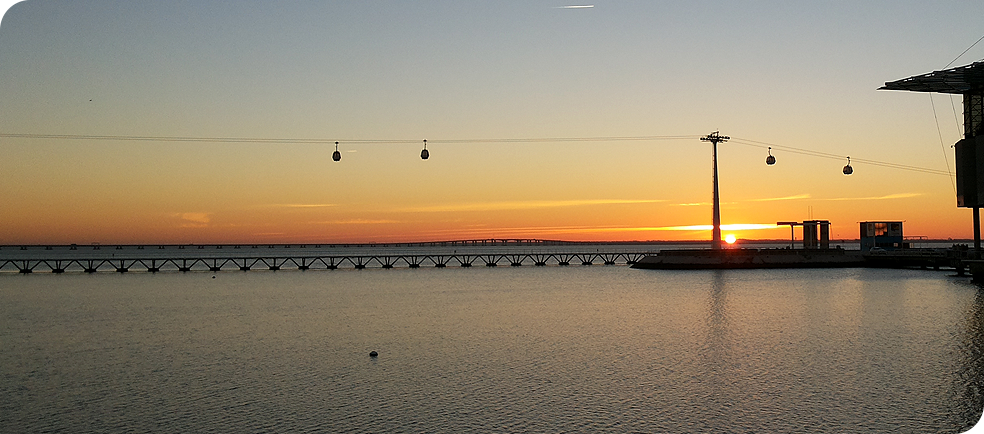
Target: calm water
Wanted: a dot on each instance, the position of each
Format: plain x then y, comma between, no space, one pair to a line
528,349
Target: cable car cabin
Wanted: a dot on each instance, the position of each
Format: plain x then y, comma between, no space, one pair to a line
882,235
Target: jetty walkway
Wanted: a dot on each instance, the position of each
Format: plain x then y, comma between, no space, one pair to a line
325,262
183,258
464,254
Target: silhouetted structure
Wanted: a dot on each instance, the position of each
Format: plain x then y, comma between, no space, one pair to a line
715,138
816,233
968,81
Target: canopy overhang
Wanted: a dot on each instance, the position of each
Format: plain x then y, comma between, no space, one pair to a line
967,80
961,80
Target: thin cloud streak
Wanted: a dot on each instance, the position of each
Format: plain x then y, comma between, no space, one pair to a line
808,196
298,205
574,7
356,222
729,227
569,230
887,197
701,204
772,199
518,205
193,219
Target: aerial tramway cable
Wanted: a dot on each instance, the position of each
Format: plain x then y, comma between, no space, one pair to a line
425,153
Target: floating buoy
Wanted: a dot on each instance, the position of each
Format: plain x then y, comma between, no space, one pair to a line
424,154
770,160
373,354
848,169
336,155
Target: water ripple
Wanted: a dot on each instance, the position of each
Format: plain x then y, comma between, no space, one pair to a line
591,349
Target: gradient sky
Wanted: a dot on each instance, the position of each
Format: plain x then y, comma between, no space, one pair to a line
795,74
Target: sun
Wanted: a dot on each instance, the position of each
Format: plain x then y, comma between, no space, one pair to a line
730,238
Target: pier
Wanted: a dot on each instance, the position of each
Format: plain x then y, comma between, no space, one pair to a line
275,262
884,252
184,260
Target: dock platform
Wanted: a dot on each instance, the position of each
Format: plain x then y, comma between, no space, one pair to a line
751,258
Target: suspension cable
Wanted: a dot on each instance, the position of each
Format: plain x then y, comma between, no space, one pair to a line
758,144
942,145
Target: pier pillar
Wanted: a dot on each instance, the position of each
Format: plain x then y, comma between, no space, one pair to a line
810,235
824,234
977,233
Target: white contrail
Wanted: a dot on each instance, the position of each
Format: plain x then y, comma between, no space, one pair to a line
574,7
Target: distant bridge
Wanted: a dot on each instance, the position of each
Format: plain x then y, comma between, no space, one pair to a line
501,242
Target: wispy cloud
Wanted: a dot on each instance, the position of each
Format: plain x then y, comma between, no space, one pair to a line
808,196
192,219
299,205
771,199
729,227
701,204
518,205
356,222
886,197
550,231
574,7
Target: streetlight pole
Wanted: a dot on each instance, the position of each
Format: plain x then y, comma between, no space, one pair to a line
714,138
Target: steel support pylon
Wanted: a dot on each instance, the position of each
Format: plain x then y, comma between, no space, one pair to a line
714,138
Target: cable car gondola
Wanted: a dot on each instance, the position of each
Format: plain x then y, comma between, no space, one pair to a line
336,155
770,160
424,154
848,169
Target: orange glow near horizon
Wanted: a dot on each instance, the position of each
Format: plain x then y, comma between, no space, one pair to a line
325,223
323,202
116,133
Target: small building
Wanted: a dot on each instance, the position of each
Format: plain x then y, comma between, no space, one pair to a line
882,235
816,233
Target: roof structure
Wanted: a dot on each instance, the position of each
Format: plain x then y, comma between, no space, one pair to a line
961,80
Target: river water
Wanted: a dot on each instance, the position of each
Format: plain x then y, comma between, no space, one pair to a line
506,349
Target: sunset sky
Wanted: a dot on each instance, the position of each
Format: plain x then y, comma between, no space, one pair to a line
542,120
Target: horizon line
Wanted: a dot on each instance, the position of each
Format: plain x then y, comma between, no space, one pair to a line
507,240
